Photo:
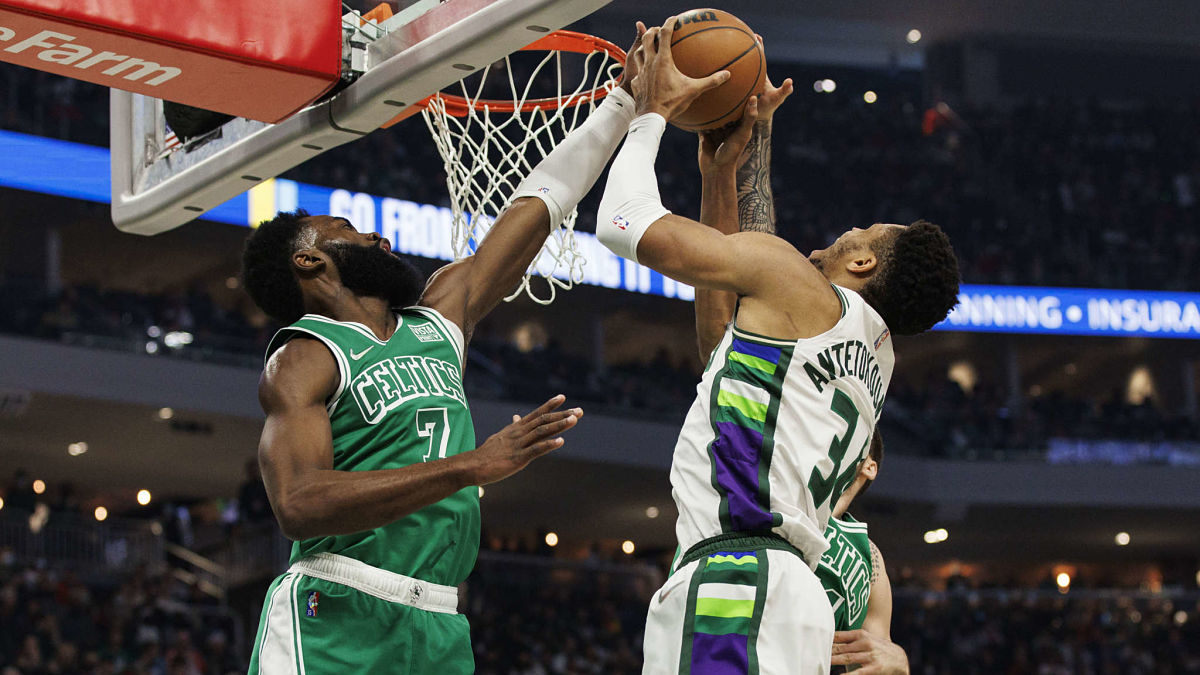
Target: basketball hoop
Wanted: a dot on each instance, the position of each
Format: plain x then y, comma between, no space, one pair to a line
488,145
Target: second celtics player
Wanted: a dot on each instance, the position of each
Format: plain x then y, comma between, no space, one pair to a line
855,580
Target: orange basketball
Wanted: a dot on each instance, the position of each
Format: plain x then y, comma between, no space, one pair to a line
708,40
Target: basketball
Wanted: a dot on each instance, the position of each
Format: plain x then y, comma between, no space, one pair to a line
709,40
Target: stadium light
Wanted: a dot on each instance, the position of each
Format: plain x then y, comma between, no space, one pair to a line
1063,580
1181,617
1,503
165,413
39,486
1122,539
551,539
651,511
77,449
101,513
627,547
937,536
870,96
143,497
913,37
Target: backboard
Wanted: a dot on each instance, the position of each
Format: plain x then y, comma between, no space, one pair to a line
159,183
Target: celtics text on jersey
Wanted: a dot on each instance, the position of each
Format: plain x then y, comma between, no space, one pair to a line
399,402
845,571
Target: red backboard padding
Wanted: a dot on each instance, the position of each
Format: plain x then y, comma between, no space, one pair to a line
262,59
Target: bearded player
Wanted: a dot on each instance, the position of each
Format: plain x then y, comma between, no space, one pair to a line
851,570
368,451
786,407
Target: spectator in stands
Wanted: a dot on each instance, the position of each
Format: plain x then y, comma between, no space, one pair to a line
253,505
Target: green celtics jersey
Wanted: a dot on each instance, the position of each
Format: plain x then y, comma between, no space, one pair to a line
845,571
399,403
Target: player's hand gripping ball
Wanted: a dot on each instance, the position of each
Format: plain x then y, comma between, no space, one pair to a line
705,41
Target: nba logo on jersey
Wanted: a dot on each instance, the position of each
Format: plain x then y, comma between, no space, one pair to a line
882,336
621,223
544,190
314,599
425,332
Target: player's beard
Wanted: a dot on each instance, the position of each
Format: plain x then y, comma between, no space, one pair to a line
372,271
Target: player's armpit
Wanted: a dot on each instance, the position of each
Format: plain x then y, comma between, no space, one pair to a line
465,291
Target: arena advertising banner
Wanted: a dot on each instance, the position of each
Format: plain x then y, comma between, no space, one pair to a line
1075,311
82,172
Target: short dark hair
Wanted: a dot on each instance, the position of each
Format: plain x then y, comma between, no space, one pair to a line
267,268
916,284
875,453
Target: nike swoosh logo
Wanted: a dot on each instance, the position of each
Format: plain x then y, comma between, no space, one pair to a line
355,357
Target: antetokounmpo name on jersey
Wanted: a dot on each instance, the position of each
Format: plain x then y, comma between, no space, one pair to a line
390,383
852,358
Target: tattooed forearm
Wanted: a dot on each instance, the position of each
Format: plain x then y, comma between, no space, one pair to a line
756,202
876,562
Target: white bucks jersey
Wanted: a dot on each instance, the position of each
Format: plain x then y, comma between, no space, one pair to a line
778,428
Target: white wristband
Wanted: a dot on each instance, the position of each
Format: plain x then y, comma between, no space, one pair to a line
571,169
631,202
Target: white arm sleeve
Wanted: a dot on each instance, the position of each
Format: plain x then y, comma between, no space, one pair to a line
569,171
631,202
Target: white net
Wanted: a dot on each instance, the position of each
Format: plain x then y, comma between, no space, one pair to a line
487,153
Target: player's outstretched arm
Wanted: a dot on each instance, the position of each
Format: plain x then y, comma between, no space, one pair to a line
755,207
718,155
464,292
871,647
311,499
756,200
634,224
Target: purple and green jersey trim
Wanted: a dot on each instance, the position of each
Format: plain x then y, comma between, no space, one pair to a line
745,405
724,611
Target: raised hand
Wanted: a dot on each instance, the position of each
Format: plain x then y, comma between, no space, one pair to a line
527,438
659,86
772,96
633,60
723,149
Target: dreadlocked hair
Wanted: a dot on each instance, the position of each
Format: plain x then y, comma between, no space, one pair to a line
267,269
916,284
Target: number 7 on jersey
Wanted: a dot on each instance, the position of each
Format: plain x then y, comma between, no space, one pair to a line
434,424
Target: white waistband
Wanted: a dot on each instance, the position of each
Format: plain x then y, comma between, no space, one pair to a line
382,584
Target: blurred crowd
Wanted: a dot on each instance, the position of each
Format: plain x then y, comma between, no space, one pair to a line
1014,632
58,623
942,418
533,619
1041,192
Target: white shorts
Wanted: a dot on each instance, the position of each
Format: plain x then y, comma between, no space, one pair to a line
759,612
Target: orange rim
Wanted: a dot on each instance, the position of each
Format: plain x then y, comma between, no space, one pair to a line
557,41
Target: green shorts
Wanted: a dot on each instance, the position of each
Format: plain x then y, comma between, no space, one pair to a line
311,626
